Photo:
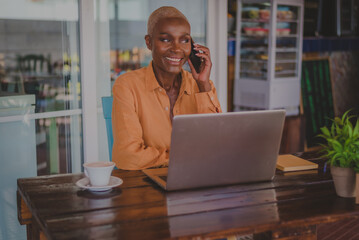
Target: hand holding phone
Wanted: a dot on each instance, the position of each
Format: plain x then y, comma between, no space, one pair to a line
201,65
196,61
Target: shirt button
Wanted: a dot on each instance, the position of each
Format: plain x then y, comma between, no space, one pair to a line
166,108
212,98
160,89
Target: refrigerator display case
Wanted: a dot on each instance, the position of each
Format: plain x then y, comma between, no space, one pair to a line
268,55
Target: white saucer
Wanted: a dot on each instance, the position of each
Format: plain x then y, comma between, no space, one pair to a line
85,184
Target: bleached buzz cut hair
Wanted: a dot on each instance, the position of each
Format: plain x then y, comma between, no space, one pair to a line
162,12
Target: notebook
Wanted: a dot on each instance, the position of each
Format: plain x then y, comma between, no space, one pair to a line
220,149
289,162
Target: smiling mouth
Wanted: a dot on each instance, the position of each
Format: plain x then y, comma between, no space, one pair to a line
174,59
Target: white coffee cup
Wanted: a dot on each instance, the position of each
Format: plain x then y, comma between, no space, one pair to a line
99,173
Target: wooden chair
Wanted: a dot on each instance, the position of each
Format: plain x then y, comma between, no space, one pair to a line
107,114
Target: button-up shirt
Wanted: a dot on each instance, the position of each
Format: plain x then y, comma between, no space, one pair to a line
141,116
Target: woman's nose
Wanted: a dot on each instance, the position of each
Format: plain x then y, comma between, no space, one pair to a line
176,46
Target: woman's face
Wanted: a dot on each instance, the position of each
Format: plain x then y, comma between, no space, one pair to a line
170,44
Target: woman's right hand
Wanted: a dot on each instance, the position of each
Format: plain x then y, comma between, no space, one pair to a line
202,78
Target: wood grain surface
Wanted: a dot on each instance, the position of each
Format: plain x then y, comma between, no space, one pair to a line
288,207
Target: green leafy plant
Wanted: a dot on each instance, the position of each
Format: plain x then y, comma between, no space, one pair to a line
342,142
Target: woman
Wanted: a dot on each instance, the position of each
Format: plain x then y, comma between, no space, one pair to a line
147,99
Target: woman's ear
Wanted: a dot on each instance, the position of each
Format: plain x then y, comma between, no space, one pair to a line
148,42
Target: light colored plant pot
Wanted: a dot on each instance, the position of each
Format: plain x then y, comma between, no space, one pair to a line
344,181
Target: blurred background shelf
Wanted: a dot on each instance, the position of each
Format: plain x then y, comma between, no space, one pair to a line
330,44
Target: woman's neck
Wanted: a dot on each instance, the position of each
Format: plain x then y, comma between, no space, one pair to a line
167,80
169,84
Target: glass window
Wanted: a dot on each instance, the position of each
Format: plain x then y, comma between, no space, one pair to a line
39,56
128,27
40,97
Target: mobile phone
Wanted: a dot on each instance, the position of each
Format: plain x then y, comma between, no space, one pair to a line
196,61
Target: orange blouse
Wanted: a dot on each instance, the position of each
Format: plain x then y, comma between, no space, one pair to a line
141,116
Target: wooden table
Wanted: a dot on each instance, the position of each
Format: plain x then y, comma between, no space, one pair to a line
290,207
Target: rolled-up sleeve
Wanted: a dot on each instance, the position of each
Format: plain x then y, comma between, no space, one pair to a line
207,102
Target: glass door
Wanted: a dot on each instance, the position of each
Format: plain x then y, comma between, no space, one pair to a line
40,97
254,40
288,36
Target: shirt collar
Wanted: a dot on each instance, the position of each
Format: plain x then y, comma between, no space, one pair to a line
152,84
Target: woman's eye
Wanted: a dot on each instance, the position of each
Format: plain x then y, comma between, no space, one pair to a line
185,40
164,40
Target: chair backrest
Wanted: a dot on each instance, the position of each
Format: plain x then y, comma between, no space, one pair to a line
107,114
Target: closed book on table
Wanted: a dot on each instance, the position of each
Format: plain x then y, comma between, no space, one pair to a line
290,162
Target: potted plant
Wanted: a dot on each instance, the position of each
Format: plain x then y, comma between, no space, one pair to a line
342,151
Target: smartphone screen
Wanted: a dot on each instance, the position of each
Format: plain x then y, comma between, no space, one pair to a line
196,61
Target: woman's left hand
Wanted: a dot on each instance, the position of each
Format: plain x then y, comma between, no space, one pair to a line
202,78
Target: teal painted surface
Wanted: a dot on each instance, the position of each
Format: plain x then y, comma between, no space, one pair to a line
17,160
107,114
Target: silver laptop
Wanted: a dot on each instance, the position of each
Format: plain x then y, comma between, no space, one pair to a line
221,149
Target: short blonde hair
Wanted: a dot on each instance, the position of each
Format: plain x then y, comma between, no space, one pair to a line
162,12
